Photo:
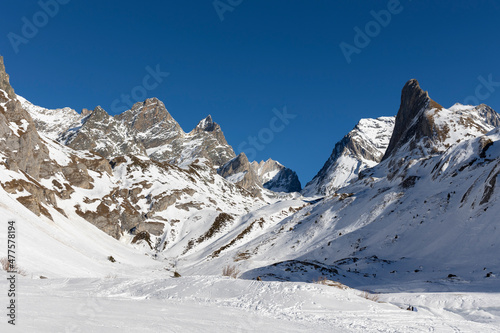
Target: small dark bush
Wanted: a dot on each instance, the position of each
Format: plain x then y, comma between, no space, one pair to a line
231,271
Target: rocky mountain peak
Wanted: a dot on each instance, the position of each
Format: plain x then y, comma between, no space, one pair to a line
207,125
239,171
410,119
104,135
152,124
98,114
85,112
147,114
276,177
361,148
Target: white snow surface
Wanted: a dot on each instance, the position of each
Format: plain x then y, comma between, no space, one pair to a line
218,304
51,122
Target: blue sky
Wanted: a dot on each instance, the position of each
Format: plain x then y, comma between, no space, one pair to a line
263,55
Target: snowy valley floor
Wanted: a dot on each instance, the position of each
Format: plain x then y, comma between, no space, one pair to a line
219,304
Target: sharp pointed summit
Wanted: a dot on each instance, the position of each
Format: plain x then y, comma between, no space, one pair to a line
410,119
425,127
207,125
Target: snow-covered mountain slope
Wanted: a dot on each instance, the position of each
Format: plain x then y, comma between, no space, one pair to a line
66,246
276,177
425,213
128,197
52,123
361,148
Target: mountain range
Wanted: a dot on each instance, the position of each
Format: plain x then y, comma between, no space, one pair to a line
403,198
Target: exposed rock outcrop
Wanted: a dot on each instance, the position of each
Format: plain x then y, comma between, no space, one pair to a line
276,177
151,123
424,127
240,172
102,134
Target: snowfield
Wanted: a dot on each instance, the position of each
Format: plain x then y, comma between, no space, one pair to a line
219,304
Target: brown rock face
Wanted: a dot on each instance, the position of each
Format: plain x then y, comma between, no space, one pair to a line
165,141
4,82
24,151
214,146
151,123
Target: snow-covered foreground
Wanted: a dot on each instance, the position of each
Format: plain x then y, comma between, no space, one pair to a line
218,304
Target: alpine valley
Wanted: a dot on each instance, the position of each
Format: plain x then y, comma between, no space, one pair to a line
111,208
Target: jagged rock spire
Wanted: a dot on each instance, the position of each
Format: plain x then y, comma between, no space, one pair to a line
410,120
207,125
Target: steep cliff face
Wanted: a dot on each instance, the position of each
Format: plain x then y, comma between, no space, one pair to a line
410,119
425,127
361,148
21,146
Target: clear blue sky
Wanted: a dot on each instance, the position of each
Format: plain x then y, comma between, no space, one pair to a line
263,55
